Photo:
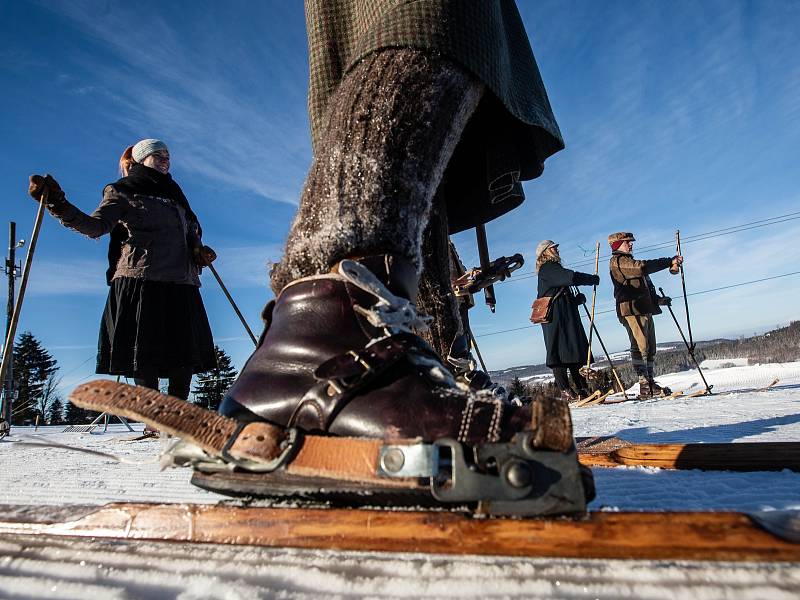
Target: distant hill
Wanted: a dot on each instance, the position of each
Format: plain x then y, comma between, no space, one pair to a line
778,345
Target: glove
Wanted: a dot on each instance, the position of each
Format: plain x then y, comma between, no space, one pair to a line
595,279
677,261
580,298
664,301
46,188
204,256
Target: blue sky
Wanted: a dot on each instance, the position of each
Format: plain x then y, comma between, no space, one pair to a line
675,114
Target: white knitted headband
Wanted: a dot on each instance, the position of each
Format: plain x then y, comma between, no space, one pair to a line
145,148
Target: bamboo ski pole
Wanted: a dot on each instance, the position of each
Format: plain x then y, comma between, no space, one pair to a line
594,299
233,304
8,349
689,347
608,356
683,285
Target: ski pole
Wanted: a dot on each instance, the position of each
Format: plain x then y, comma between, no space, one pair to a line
233,304
594,299
683,284
690,348
8,349
474,343
608,356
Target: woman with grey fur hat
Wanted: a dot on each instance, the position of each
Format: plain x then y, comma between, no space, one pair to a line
564,336
154,323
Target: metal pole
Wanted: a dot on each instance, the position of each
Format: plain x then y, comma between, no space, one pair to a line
8,349
608,356
233,304
11,270
689,347
594,299
683,284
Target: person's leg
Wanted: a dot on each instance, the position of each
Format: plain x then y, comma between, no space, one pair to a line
579,380
393,124
180,380
148,380
562,381
636,327
655,388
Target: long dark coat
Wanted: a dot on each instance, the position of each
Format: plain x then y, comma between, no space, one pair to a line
564,337
513,130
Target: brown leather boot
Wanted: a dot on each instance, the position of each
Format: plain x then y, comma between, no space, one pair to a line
338,356
658,390
568,396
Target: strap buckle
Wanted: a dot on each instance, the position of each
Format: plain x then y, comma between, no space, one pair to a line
288,447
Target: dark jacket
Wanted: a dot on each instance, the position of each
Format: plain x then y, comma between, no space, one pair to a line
564,337
153,229
513,130
634,292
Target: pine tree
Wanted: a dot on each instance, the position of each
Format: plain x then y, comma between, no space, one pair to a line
55,414
214,383
75,415
518,388
34,379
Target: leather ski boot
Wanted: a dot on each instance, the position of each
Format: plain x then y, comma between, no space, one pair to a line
658,390
655,388
568,396
644,388
338,356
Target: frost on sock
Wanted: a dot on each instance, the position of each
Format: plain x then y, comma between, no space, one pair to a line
393,124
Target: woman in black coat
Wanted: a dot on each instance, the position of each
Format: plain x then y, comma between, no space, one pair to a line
154,324
564,337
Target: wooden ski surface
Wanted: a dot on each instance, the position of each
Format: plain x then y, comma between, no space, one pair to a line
745,456
644,535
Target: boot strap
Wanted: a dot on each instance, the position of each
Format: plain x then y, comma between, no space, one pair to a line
258,445
353,370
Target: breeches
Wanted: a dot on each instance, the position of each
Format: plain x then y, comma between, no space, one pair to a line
642,335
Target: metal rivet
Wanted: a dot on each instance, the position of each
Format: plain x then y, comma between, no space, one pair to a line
519,474
392,460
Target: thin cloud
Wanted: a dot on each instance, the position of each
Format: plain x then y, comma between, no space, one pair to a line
67,277
211,103
247,266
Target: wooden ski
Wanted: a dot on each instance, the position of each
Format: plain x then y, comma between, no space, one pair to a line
595,400
766,387
587,400
746,456
704,536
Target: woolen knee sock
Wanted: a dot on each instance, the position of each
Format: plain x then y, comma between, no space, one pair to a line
393,124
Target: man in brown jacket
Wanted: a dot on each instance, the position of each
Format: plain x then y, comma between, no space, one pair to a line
637,302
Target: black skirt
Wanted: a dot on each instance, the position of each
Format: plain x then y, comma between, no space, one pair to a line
152,326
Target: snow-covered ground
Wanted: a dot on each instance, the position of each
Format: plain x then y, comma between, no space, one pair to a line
538,379
740,410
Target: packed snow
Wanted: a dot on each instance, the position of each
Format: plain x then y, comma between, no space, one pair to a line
748,405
